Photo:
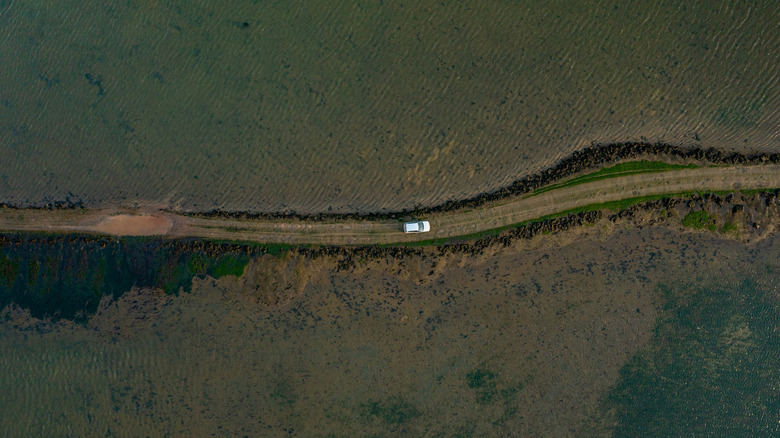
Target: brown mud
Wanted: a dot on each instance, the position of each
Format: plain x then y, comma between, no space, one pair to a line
131,225
461,339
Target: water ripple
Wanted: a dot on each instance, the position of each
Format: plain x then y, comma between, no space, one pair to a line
362,107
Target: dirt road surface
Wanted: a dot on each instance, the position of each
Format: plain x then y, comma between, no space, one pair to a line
140,222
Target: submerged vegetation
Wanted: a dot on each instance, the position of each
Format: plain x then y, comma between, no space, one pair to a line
495,393
8,270
393,411
713,364
66,277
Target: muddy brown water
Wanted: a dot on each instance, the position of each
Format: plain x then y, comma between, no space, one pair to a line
362,107
516,341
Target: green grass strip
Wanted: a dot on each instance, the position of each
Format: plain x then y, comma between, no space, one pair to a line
622,169
614,206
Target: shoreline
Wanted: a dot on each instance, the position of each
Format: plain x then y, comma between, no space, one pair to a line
613,193
589,158
114,265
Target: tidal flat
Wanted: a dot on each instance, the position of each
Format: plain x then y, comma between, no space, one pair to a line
563,333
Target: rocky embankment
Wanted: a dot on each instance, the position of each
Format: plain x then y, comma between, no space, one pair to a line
272,281
51,262
276,275
585,159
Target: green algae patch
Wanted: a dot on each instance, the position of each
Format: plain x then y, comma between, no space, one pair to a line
494,394
229,264
699,220
178,275
729,227
8,270
480,378
712,366
391,411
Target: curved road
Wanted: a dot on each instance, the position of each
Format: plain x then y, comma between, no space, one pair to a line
337,232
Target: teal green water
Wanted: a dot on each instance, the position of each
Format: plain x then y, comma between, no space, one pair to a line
364,105
713,365
60,277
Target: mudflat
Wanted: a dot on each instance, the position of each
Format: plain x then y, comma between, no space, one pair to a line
521,340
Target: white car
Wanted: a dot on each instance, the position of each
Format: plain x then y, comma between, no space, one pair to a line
417,227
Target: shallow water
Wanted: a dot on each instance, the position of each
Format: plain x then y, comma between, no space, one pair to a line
521,342
370,106
362,106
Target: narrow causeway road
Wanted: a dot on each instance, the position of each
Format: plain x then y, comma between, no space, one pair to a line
496,214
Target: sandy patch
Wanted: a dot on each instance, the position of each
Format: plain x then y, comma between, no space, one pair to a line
130,225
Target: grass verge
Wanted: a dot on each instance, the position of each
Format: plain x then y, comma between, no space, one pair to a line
699,220
614,206
622,169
